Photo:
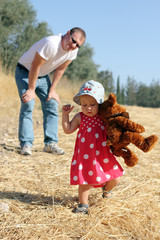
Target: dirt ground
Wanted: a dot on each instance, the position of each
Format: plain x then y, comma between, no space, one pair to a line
36,200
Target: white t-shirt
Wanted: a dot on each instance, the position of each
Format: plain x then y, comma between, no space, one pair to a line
51,50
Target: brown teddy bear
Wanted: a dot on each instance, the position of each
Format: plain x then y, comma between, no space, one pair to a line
121,131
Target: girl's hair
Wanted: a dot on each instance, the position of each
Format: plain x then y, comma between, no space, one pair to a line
77,29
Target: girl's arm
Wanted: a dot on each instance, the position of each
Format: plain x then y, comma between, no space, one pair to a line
69,126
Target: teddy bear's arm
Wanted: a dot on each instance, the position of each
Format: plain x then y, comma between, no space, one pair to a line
129,125
114,132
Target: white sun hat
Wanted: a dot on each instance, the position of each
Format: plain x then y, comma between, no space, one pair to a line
93,89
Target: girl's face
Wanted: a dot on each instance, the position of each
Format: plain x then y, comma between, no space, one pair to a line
89,105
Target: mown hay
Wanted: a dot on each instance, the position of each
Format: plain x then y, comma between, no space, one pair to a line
38,195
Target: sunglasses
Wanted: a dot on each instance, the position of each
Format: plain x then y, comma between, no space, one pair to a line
73,41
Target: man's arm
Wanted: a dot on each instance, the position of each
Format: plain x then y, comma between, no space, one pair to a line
38,61
58,73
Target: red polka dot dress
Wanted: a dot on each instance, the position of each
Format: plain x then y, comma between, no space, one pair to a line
93,162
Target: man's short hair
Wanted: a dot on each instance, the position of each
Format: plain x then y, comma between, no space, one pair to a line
77,29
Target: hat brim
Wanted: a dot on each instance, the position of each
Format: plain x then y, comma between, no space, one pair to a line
76,98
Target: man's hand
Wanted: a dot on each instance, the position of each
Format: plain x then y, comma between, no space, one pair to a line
54,95
28,96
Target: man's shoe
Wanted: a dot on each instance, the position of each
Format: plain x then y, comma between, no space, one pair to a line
53,148
26,150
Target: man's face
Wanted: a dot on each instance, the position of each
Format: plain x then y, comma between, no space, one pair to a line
72,41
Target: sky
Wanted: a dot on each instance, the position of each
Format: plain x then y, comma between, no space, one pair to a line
124,34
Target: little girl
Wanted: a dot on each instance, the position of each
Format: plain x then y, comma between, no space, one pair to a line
93,164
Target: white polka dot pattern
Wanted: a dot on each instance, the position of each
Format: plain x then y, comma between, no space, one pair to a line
74,162
90,173
105,160
75,178
86,156
97,135
93,162
83,140
91,145
108,176
98,179
80,167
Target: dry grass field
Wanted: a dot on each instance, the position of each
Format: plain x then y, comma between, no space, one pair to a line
36,200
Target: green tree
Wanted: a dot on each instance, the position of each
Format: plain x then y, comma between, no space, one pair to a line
106,78
131,91
154,94
118,90
83,67
123,95
149,96
20,30
143,95
14,14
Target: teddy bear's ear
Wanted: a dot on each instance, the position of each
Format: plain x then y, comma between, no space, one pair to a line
112,99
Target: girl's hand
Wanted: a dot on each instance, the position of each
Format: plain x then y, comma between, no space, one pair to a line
66,109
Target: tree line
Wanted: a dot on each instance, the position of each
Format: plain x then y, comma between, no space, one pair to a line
138,93
20,29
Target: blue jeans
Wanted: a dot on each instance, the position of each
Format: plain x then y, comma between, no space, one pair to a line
50,110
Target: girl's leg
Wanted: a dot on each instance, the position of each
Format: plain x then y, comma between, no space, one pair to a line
83,192
109,186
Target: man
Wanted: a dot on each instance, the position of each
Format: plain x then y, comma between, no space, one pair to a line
51,53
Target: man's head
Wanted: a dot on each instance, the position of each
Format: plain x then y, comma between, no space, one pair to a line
73,39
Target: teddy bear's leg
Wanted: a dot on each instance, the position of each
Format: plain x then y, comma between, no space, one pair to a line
145,144
149,143
129,157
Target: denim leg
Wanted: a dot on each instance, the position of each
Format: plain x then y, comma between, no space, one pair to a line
50,110
50,121
26,135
